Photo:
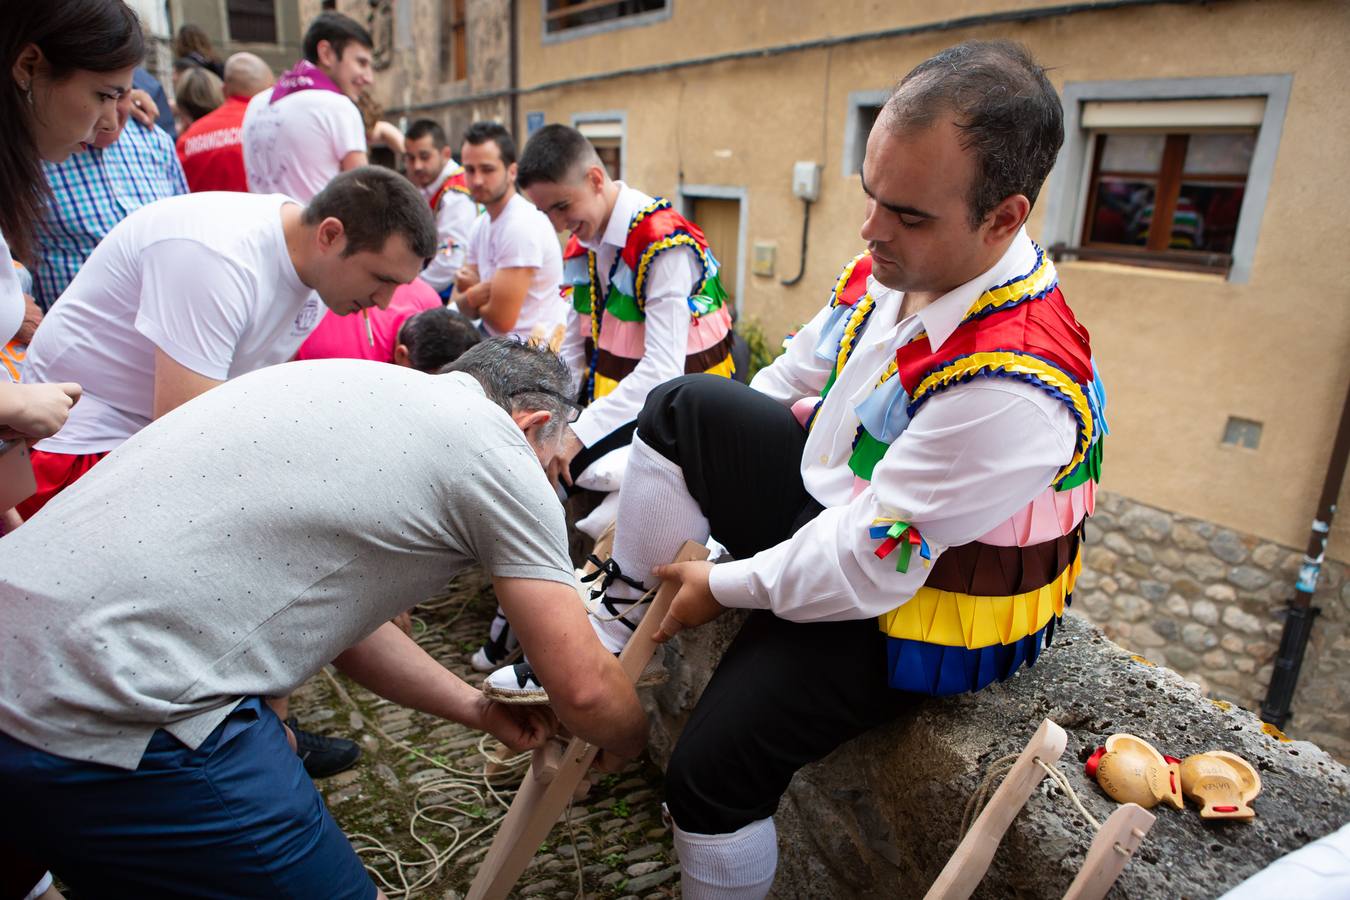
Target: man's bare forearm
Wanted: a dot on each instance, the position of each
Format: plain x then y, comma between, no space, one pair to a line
391,664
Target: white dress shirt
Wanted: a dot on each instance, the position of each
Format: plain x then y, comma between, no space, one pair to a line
671,278
454,221
972,456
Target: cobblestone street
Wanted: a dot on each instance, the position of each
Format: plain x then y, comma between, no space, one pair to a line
422,805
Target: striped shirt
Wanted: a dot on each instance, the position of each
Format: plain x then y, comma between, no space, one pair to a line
92,192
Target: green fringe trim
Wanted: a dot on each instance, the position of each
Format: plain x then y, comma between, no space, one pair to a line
581,299
867,452
1090,467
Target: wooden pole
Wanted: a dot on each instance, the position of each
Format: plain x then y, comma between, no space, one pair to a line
547,790
966,868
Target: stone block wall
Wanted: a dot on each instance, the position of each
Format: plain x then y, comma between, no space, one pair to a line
1209,603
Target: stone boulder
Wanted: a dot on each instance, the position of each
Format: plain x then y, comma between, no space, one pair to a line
881,815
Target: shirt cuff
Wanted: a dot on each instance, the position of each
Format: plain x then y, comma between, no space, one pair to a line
731,587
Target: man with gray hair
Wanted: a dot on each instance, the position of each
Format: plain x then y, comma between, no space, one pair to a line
212,148
305,506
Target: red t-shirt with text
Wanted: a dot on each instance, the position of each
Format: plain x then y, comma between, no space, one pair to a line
212,149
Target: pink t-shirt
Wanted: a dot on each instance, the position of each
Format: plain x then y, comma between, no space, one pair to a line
344,337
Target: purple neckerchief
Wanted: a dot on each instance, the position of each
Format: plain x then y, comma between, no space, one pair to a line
303,76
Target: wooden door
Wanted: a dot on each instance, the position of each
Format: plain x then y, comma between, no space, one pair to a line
721,223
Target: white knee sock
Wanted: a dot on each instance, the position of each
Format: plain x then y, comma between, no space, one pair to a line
736,866
656,516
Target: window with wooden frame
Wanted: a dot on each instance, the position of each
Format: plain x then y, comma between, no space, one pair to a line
252,21
606,136
454,58
1167,181
566,15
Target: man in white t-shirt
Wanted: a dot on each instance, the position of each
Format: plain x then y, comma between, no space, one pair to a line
512,273
306,129
441,180
190,291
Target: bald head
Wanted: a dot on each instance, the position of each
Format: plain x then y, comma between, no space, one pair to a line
246,75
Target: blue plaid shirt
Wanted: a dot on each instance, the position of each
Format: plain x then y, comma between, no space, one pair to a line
93,191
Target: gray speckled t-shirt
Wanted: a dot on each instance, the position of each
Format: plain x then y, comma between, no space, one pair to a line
245,539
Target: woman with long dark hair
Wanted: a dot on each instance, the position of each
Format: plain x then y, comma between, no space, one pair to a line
66,64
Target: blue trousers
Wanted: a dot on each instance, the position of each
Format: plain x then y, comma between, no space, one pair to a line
235,818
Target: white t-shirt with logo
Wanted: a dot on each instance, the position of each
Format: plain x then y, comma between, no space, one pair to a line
296,145
521,237
204,277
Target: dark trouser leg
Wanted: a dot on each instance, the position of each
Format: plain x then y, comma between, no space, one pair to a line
740,453
785,693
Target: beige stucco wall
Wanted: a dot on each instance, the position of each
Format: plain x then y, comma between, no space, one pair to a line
1180,353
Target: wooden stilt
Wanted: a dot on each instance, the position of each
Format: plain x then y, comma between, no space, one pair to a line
973,855
551,780
1111,849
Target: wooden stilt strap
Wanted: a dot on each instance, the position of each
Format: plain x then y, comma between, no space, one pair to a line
544,795
973,855
1111,849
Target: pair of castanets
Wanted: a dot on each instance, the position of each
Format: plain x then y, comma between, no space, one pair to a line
1131,770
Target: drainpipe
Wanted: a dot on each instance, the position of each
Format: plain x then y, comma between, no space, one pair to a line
1298,621
514,93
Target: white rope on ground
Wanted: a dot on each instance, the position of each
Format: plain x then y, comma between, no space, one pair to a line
457,792
998,770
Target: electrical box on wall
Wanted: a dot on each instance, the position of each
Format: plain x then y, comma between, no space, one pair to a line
762,263
806,181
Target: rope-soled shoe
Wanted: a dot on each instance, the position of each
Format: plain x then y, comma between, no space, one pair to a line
518,684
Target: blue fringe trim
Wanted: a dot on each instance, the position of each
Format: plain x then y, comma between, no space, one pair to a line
939,671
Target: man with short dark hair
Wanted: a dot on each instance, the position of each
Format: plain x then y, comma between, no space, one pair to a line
188,292
306,129
432,167
920,535
646,305
434,338
514,264
228,552
212,148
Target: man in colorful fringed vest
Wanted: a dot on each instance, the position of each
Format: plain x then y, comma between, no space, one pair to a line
647,305
903,490
432,167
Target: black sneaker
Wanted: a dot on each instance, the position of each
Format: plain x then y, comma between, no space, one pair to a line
323,756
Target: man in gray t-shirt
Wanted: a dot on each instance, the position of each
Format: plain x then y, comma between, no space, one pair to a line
230,550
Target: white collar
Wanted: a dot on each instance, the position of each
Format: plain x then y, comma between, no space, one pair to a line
626,205
941,317
450,168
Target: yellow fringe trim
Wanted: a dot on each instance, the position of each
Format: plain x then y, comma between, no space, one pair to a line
675,240
1033,284
1020,364
844,276
855,323
952,619
726,368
